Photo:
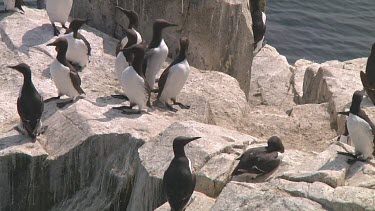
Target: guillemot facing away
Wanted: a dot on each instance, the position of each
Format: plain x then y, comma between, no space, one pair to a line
64,75
30,105
179,180
259,25
368,78
361,130
174,78
133,23
58,11
79,48
13,5
133,82
125,58
261,160
157,52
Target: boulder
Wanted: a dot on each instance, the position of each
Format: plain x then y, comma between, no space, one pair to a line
220,32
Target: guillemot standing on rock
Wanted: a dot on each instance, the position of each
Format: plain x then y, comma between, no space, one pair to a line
179,180
157,52
361,130
261,160
13,5
368,78
30,105
133,82
79,48
64,75
58,11
125,58
133,23
259,25
174,78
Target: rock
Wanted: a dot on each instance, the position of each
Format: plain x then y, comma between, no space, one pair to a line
260,196
271,80
299,69
216,41
200,202
217,145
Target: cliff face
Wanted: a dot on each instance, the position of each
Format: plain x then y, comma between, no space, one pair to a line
219,31
94,158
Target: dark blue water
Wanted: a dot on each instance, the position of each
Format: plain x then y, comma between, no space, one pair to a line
321,30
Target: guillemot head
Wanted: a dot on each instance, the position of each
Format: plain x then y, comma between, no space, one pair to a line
22,68
356,102
137,49
131,35
179,144
275,145
373,49
132,15
184,43
161,24
60,43
75,25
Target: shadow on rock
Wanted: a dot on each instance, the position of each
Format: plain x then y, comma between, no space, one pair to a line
13,140
37,36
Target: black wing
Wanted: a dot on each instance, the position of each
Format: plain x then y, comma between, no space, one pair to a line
81,37
76,80
162,80
362,114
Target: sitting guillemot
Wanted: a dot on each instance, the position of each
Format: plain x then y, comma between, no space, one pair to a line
30,105
261,160
64,75
173,79
179,180
368,78
79,49
361,130
58,11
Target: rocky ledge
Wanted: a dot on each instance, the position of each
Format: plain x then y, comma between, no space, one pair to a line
94,158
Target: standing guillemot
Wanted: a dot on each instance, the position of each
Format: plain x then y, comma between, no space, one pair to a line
174,78
125,58
64,75
133,23
261,160
179,180
361,130
30,105
13,5
58,11
133,82
79,48
259,25
157,52
368,78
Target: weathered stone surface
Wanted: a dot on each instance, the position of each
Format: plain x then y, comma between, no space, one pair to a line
217,42
260,196
201,202
271,80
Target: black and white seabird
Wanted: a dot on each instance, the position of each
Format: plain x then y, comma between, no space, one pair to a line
261,160
368,78
79,48
64,75
174,78
30,105
133,23
13,5
179,180
259,25
157,52
133,82
58,11
125,58
361,130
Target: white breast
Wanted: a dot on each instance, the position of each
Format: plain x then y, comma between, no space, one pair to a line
120,65
361,135
9,4
58,10
155,61
77,50
125,40
61,76
191,169
134,87
176,80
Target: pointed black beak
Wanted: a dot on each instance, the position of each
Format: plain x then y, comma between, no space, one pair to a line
171,24
192,139
51,44
15,68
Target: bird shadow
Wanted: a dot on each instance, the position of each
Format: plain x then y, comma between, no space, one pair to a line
46,73
107,100
36,36
13,140
113,114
